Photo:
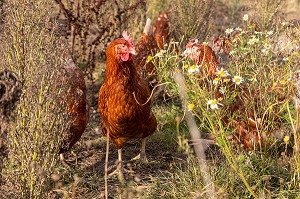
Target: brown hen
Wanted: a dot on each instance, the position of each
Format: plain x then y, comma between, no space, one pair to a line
204,57
223,44
77,105
124,99
146,46
162,30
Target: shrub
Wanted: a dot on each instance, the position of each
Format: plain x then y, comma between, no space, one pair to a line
30,49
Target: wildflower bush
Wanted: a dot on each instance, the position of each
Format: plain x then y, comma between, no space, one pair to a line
260,77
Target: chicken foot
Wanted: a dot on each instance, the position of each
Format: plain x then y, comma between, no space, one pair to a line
63,160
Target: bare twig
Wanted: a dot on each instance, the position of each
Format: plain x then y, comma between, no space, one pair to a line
67,13
196,135
106,164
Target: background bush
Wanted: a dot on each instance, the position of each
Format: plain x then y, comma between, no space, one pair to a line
190,19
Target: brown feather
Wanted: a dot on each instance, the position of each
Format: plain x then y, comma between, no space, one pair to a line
77,106
162,30
145,47
123,100
206,58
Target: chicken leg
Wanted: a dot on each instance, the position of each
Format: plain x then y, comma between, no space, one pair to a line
119,168
142,156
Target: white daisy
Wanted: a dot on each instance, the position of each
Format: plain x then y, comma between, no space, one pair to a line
245,17
216,81
159,54
193,69
232,53
253,40
213,104
253,79
237,80
228,30
258,33
222,73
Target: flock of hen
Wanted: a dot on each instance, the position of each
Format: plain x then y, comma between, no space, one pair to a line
124,99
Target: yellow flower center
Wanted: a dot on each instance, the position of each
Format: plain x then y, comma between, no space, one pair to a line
213,102
149,58
191,106
193,67
237,80
221,73
286,138
226,80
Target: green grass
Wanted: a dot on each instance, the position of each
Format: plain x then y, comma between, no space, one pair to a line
167,132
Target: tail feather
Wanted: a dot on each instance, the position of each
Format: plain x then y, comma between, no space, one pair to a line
148,28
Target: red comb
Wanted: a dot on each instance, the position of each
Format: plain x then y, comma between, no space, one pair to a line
127,37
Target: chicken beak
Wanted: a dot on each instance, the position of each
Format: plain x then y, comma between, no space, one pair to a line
132,51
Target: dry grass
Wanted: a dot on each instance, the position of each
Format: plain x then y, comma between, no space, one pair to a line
31,50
